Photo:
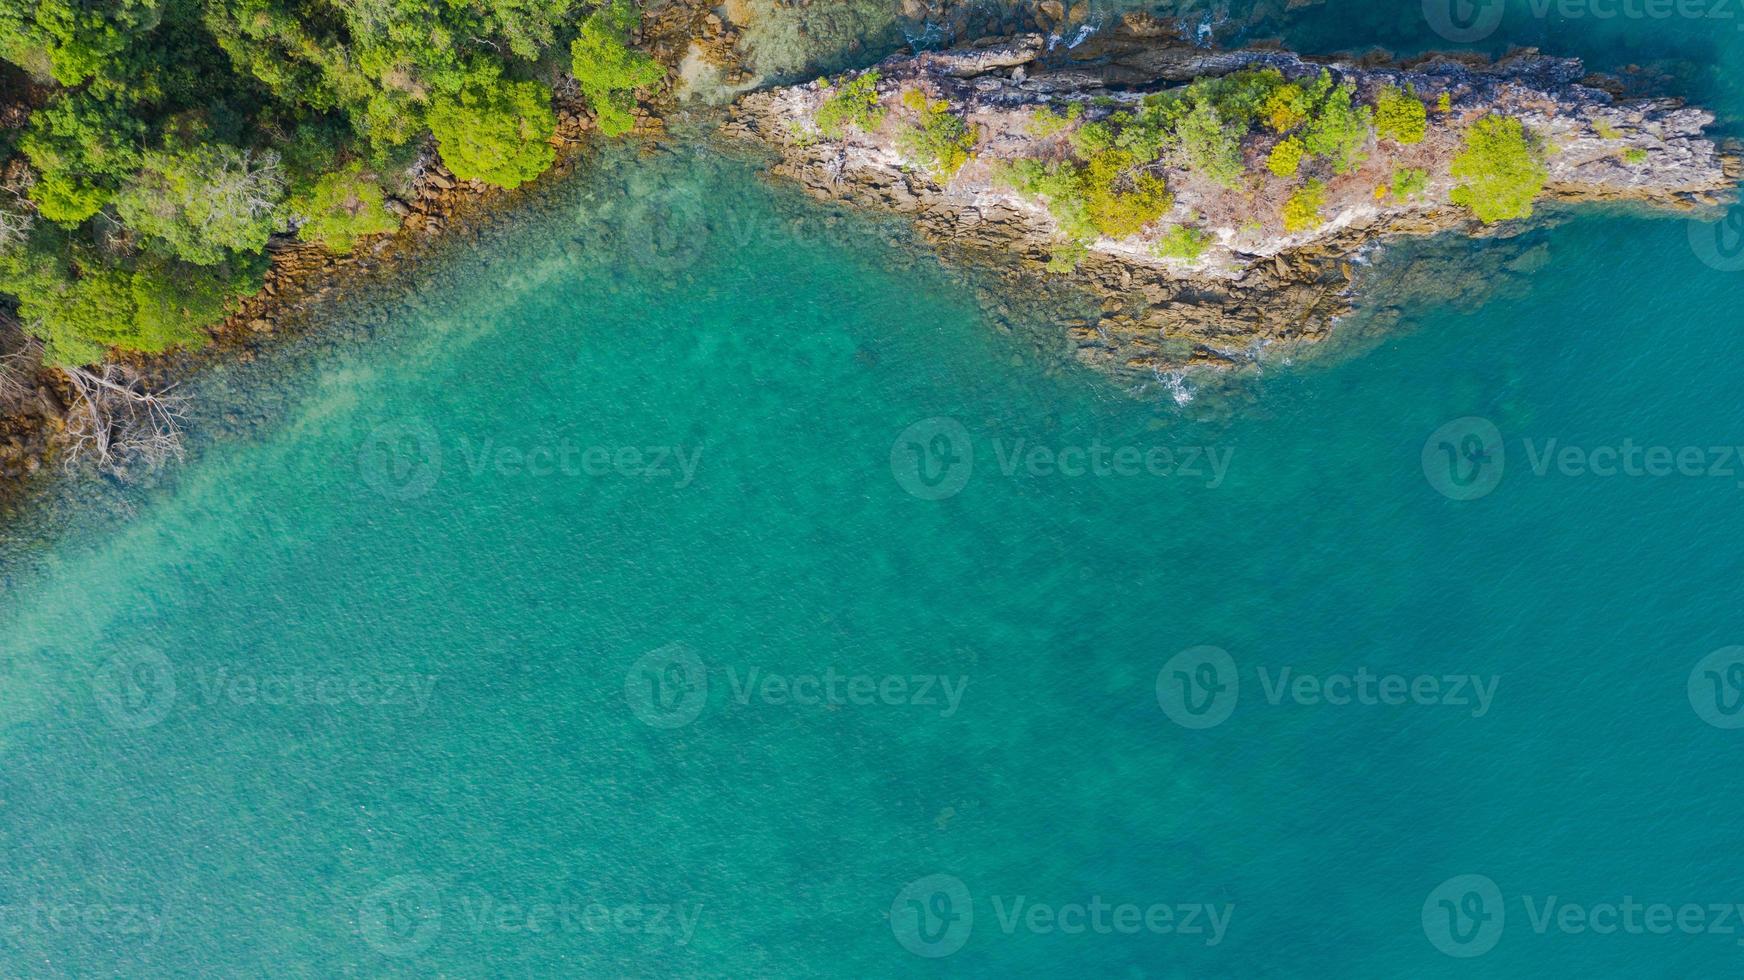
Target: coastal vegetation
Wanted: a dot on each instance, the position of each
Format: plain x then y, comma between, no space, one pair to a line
1408,182
852,103
1500,170
1114,168
938,141
1182,242
1302,210
169,141
1400,116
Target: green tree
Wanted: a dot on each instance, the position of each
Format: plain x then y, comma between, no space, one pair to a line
1285,108
1182,242
1409,182
1500,170
72,40
1400,116
938,141
608,70
1286,158
205,201
176,302
528,26
496,132
1105,191
1211,145
1337,129
851,103
342,207
82,147
1302,210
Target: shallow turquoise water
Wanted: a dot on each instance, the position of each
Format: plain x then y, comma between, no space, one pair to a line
446,666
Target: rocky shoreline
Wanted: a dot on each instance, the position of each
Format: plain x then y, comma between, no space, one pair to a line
1155,317
434,206
1256,283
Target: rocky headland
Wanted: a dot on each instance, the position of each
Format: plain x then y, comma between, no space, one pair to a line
1090,167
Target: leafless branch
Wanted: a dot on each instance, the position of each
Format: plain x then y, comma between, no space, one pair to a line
18,370
118,421
14,227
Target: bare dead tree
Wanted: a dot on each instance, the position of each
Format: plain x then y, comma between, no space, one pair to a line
117,421
14,227
18,369
241,184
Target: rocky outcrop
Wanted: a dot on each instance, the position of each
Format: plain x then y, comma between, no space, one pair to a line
1255,284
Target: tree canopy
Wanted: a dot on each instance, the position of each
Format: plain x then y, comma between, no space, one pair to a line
170,140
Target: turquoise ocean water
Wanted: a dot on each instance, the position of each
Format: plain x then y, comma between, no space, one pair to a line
694,582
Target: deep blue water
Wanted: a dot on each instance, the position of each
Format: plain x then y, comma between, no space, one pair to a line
627,602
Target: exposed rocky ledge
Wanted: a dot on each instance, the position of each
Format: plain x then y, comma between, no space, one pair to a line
1254,284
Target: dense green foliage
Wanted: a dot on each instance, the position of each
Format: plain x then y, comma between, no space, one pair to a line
1500,170
205,201
851,103
608,69
1201,126
1302,210
1286,157
174,138
1400,116
81,302
1105,190
1408,182
495,131
342,207
1047,121
1182,242
82,146
1112,185
1337,129
1322,118
939,141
